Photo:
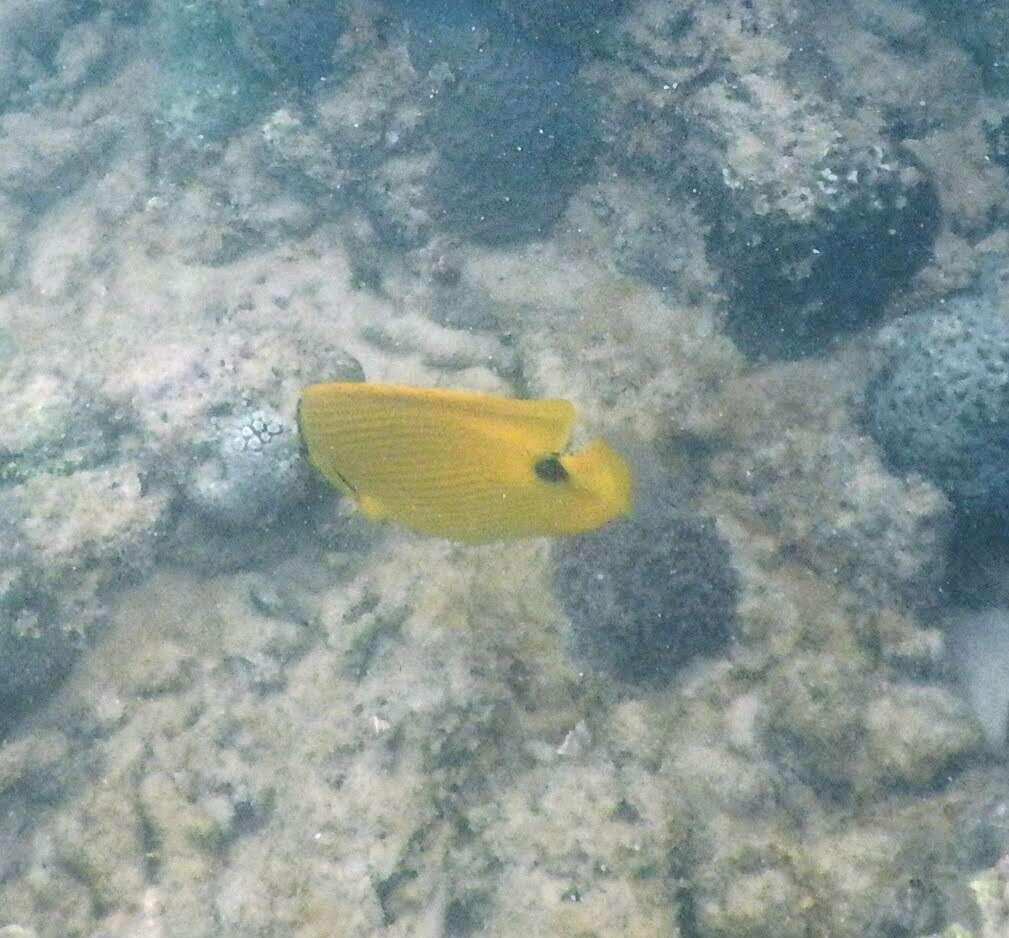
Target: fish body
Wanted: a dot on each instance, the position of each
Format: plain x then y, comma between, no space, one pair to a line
462,465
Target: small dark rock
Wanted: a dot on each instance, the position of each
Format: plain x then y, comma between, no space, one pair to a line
466,915
37,648
913,909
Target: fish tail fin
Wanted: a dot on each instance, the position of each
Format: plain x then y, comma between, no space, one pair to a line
604,473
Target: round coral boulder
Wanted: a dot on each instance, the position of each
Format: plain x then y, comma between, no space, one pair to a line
647,594
513,124
940,406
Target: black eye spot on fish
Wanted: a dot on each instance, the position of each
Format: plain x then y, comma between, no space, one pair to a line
549,469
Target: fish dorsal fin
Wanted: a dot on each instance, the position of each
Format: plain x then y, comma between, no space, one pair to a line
546,425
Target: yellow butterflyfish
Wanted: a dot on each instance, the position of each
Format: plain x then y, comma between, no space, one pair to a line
460,464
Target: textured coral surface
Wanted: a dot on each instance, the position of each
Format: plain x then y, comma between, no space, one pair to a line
738,236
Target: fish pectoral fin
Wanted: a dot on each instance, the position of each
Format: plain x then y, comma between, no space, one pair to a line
371,507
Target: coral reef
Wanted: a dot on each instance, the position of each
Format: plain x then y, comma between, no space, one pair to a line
847,731
916,907
938,406
37,647
76,522
813,218
77,536
30,34
357,146
800,467
996,131
647,594
207,91
984,34
853,228
47,425
230,456
655,237
228,706
457,123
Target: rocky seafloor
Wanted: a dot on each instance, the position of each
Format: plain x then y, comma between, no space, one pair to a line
762,246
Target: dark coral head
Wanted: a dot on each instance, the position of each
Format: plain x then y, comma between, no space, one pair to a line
647,594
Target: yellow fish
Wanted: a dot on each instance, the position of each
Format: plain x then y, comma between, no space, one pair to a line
458,464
